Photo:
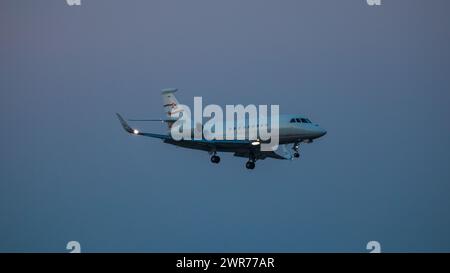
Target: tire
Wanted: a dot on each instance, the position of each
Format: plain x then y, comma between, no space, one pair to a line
215,159
250,165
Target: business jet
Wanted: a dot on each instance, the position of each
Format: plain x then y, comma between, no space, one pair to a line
293,130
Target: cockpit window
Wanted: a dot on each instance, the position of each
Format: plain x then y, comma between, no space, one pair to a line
305,120
300,120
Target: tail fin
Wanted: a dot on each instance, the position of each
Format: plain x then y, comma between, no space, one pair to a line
170,102
171,105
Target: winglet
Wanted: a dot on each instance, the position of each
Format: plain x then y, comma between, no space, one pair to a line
125,125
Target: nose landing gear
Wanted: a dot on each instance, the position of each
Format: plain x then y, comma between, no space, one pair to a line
296,152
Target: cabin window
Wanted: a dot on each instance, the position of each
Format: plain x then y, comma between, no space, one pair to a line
293,120
298,120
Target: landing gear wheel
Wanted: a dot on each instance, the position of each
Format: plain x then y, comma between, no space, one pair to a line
215,159
295,148
250,165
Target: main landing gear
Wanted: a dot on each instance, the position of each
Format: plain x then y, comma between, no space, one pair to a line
215,158
251,161
250,165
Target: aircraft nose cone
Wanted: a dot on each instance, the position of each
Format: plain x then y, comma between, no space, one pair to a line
321,132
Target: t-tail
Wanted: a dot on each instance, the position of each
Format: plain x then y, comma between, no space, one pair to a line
170,102
171,105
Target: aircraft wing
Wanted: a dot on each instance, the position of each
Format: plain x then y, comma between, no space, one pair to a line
284,151
241,148
260,155
130,130
193,142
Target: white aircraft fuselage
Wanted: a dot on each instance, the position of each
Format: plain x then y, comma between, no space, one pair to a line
292,130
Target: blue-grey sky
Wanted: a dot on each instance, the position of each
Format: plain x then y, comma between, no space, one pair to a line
377,78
